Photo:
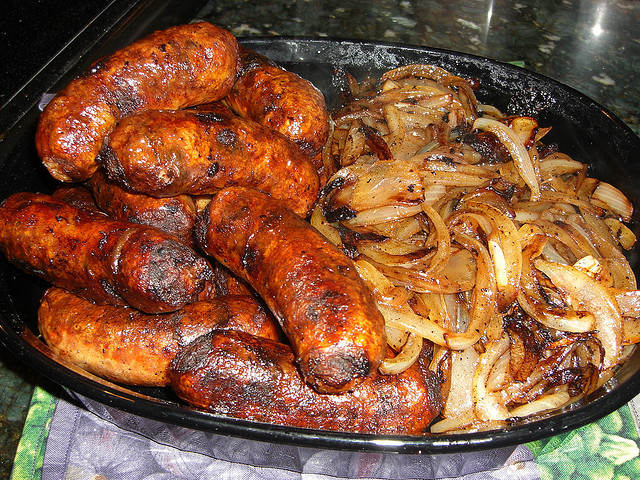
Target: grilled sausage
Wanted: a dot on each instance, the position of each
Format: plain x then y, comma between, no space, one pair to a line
174,68
226,283
127,346
167,153
313,289
240,375
174,215
77,195
100,259
280,100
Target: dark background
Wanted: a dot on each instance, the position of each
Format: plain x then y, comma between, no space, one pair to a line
32,32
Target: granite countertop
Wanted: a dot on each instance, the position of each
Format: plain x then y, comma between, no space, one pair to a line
591,45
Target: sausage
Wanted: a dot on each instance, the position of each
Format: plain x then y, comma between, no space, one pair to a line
226,283
77,195
329,316
174,215
280,100
175,68
244,376
99,258
167,153
127,346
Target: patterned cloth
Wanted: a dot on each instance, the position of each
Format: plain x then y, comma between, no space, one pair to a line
77,438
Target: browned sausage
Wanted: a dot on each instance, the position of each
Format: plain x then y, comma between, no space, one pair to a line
174,68
174,215
240,375
313,289
127,346
280,100
101,259
77,195
167,153
226,283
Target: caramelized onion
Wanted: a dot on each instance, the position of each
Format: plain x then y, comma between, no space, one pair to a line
409,354
517,150
476,237
581,289
611,198
463,367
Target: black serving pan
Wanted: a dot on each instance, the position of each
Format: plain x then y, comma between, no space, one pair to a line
582,128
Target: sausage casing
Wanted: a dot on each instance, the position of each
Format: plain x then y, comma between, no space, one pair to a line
174,68
98,258
280,100
77,195
167,153
174,215
313,289
127,346
243,376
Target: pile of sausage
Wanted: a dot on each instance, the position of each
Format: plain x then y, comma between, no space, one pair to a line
177,246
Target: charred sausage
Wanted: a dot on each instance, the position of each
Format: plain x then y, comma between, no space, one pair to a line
174,215
77,195
240,375
226,283
174,68
167,153
280,100
101,259
313,289
127,346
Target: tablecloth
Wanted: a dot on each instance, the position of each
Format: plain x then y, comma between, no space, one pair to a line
70,437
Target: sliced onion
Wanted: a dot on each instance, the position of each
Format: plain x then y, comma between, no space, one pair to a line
457,179
403,318
631,330
420,281
443,240
416,70
489,405
609,197
463,368
621,270
454,424
387,182
397,131
483,297
531,301
500,375
407,356
433,192
453,269
525,128
490,110
374,216
396,338
596,299
325,228
438,310
517,151
558,164
550,401
621,232
505,249
381,287
404,257
354,145
628,301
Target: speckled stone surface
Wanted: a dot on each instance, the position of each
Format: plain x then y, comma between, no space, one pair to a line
590,45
